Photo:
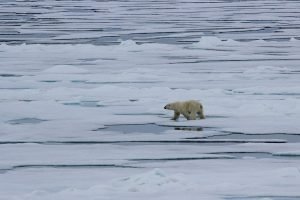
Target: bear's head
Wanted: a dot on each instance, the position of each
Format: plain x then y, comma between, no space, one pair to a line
169,106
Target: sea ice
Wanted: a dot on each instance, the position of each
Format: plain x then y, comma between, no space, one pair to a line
83,86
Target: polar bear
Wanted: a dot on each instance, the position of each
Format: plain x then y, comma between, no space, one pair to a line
189,109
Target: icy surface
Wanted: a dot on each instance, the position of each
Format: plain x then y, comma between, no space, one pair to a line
83,86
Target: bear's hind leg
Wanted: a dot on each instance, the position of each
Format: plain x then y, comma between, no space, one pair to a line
176,115
193,116
201,115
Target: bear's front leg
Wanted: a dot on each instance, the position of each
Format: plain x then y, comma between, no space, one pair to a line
187,116
176,115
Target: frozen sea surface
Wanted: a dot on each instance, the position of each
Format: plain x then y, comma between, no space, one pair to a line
159,21
83,85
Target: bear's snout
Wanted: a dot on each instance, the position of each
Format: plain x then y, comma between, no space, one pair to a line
165,107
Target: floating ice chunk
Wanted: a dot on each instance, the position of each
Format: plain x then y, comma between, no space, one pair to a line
210,41
65,69
294,40
128,43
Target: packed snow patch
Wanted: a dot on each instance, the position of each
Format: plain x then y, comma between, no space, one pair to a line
151,181
65,69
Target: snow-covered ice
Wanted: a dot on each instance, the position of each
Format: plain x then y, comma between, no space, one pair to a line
83,86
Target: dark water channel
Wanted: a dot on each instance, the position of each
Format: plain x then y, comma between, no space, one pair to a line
148,128
159,129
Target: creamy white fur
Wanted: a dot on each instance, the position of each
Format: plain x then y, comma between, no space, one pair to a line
189,109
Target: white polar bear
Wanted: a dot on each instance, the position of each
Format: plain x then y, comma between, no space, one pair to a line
189,109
